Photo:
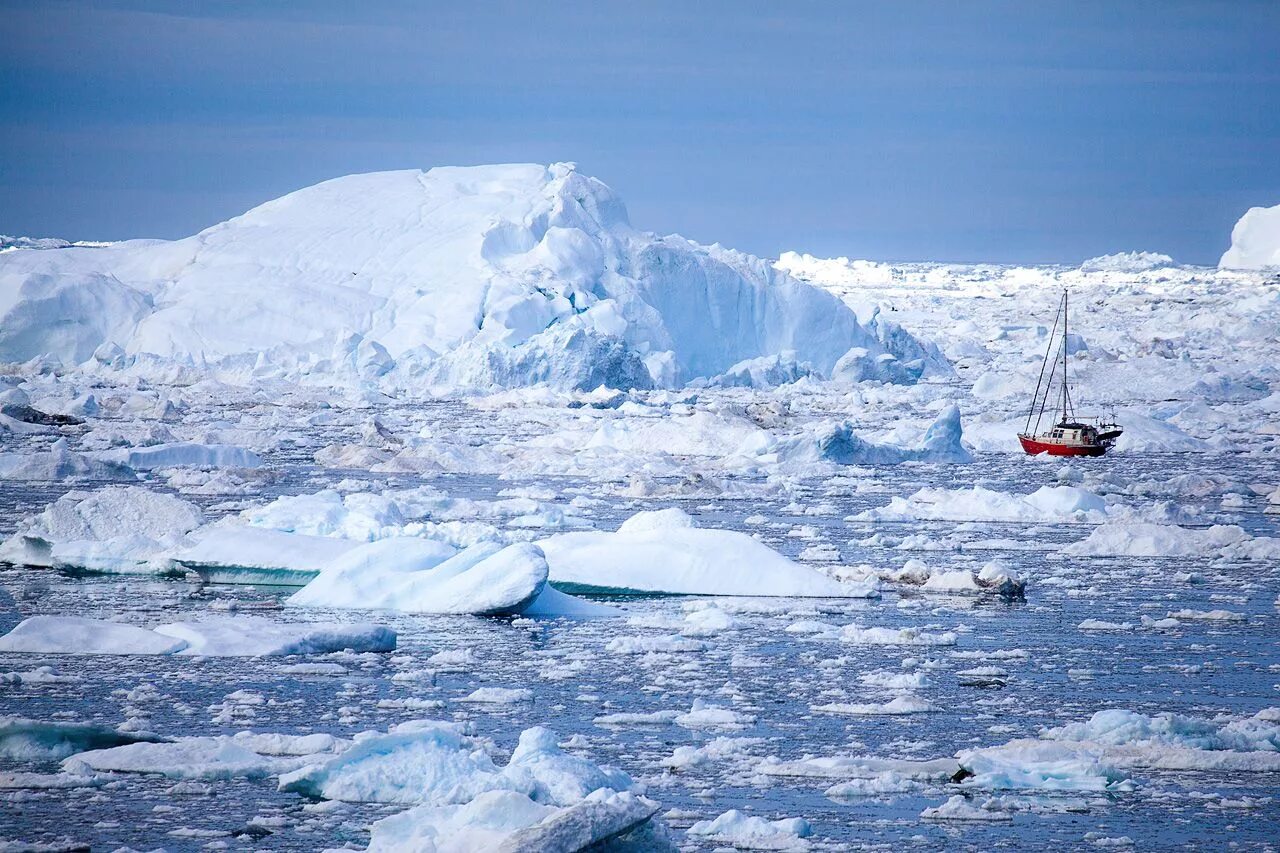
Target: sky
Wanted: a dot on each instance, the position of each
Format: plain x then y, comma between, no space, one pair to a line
1014,132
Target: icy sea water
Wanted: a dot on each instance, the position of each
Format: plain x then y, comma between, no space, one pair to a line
1057,673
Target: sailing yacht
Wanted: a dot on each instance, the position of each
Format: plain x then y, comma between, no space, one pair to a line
1068,435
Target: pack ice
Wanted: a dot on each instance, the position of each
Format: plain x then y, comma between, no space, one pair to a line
477,277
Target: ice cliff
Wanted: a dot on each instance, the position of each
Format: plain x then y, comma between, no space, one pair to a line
454,278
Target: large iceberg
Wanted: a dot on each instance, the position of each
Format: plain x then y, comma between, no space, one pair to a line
1255,240
479,277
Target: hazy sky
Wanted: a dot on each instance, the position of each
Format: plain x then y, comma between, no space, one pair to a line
1000,131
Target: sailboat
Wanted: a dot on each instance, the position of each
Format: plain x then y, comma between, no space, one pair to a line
1068,434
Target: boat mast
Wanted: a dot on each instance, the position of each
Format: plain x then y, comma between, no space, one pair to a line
1064,356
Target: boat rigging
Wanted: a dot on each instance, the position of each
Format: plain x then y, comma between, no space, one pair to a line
1069,434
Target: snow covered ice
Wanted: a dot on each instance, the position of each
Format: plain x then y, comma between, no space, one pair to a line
447,509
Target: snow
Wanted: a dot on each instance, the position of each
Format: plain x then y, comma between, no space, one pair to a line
228,636
1255,240
118,529
423,576
476,277
670,555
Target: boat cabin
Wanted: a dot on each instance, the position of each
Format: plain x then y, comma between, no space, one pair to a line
1074,433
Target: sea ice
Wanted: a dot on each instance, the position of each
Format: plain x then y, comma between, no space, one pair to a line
76,635
1145,539
227,636
1048,503
958,807
753,832
23,739
250,636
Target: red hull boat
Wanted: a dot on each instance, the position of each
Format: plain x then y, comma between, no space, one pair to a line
1068,435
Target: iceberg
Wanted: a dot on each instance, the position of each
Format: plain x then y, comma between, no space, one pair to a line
182,455
1145,539
455,278
508,822
119,529
442,763
664,552
1048,503
738,829
424,576
61,463
188,758
23,739
75,635
1127,262
1255,240
250,636
838,443
232,552
227,636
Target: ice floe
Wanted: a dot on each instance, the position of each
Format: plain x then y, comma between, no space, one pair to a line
422,576
666,553
118,529
228,636
1145,539
751,832
1048,503
40,740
